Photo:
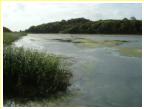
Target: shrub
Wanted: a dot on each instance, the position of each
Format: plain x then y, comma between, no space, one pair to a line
28,73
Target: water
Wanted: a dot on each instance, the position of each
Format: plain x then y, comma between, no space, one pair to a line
102,76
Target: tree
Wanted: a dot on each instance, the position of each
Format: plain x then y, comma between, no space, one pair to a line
5,29
82,25
133,18
125,19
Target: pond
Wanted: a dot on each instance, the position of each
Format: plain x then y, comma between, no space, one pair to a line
107,69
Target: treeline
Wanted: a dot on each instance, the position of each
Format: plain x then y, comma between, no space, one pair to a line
82,25
5,29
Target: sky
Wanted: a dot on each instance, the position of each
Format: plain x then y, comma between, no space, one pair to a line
20,16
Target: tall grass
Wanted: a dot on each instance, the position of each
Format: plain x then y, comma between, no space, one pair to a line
28,73
9,37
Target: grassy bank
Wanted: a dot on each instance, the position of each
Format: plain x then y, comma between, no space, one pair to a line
9,37
32,74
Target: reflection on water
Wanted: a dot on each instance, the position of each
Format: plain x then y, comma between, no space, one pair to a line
102,75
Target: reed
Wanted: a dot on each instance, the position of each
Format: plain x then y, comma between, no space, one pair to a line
28,73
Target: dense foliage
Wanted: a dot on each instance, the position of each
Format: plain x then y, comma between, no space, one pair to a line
5,29
82,25
32,74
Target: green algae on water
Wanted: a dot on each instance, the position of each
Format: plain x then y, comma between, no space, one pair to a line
85,42
131,52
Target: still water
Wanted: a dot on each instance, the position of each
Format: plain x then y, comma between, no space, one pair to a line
102,76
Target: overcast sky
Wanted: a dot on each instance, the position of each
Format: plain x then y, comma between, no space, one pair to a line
20,16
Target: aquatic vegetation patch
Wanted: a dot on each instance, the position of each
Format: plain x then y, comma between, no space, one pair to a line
131,52
101,43
32,39
63,40
28,73
92,43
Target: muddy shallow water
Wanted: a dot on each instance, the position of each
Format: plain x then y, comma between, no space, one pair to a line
107,69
